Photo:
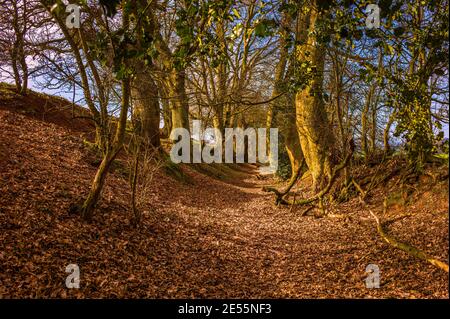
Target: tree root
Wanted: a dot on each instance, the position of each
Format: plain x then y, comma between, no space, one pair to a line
320,195
281,193
307,210
413,251
327,188
359,188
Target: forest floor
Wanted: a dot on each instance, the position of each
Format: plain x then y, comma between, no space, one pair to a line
204,238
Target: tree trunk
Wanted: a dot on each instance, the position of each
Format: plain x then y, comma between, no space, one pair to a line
23,66
312,123
87,209
165,106
178,100
18,52
370,104
279,80
222,76
277,89
387,147
167,117
15,68
373,129
293,147
364,126
146,107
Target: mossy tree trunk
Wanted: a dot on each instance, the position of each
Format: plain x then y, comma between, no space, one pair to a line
93,197
146,107
87,209
314,131
364,121
293,147
222,76
279,80
179,104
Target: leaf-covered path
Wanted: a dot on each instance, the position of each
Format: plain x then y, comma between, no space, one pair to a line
207,238
242,246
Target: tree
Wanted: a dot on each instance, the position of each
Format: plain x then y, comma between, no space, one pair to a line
145,92
114,49
312,121
17,22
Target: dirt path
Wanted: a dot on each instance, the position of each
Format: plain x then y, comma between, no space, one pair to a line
242,246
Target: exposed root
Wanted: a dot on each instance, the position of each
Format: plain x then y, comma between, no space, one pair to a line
407,248
359,188
413,251
307,210
280,194
330,183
